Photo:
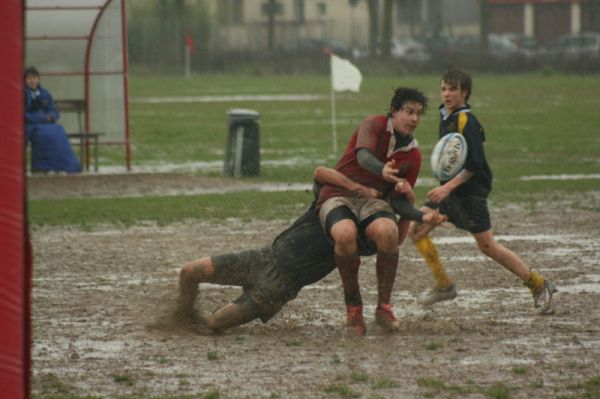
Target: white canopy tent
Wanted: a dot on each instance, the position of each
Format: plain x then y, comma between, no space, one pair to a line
80,49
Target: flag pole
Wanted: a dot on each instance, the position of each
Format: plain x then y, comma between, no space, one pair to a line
344,76
188,61
333,132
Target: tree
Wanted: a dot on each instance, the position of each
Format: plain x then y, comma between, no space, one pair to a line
386,35
171,17
373,6
484,29
272,8
435,17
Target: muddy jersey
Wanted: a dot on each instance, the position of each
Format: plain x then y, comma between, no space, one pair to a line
464,122
273,275
304,253
376,134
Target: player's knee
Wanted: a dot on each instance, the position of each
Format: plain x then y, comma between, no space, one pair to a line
488,248
384,234
213,324
344,234
197,270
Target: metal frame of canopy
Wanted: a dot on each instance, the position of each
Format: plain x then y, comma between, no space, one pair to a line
112,73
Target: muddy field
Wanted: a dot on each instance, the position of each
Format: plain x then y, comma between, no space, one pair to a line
94,291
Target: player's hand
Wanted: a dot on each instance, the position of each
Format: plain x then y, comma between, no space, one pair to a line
431,220
389,172
366,192
439,194
434,218
404,187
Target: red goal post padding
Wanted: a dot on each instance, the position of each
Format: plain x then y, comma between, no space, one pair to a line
15,254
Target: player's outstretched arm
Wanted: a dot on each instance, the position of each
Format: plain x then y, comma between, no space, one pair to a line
332,177
430,221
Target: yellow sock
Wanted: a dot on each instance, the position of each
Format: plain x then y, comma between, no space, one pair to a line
429,252
534,281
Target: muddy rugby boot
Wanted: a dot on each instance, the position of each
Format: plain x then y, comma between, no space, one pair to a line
354,319
385,317
438,294
542,298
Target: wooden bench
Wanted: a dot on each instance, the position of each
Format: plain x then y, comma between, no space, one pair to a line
82,138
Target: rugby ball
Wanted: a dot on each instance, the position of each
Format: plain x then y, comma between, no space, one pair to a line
449,156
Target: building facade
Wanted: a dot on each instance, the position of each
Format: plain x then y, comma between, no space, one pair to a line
544,20
244,24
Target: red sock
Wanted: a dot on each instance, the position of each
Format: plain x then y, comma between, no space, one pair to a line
386,265
348,268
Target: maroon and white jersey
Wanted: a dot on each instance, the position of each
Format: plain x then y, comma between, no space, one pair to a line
375,133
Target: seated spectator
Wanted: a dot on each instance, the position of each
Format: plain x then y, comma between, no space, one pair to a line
50,148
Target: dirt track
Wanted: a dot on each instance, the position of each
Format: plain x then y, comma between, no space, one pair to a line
93,291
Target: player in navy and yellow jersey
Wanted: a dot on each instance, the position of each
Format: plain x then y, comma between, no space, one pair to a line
464,199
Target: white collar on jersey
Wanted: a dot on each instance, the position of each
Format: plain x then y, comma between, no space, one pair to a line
390,129
446,115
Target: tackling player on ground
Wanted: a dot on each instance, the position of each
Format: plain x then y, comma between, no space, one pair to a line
272,275
464,200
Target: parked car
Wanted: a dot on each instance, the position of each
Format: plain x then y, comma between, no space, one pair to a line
311,47
405,49
573,47
500,47
526,45
440,47
409,50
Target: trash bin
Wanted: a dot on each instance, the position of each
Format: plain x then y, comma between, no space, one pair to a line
242,154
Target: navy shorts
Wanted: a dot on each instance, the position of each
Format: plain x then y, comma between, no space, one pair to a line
263,282
467,212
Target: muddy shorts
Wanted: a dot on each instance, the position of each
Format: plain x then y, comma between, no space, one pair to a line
362,208
263,282
467,212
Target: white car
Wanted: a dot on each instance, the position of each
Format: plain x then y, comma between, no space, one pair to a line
574,47
409,50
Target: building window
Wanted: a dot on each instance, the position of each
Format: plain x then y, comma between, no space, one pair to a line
322,8
299,11
230,12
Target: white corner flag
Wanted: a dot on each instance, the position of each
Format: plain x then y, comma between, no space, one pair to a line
344,77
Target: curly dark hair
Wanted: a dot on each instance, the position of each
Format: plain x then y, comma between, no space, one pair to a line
402,95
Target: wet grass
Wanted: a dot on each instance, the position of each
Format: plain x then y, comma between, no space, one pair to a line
432,345
551,130
520,370
384,383
89,212
586,389
342,390
123,379
434,388
497,391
